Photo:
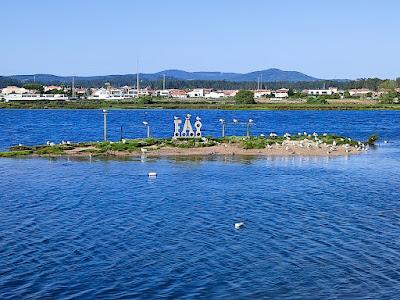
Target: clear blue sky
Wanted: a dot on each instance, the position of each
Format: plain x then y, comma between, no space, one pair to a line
325,39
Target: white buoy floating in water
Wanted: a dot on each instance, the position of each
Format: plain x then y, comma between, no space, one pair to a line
152,174
239,225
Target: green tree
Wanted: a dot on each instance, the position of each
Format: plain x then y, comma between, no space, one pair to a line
244,97
34,86
388,85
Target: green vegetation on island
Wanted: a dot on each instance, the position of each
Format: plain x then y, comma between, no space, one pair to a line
139,146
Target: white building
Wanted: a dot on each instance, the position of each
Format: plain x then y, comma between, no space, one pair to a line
35,97
230,93
215,95
162,93
323,92
48,88
360,92
281,93
196,93
13,90
175,93
110,93
106,94
262,93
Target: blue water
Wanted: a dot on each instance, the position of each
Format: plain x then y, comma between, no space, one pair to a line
315,228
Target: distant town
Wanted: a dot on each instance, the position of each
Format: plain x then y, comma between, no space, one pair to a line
37,92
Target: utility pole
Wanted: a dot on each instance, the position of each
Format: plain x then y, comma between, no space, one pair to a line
222,121
261,82
73,87
105,125
137,78
147,125
163,82
249,123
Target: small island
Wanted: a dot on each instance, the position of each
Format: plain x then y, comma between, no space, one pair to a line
300,144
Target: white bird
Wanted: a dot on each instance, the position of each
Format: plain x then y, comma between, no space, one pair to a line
198,119
239,225
385,142
144,150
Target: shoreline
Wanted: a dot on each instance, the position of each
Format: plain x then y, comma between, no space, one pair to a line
214,105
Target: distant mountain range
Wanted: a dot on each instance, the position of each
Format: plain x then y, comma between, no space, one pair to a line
270,75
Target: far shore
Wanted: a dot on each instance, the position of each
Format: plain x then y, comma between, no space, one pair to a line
263,104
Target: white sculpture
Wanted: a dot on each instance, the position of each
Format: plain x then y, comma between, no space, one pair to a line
198,125
177,123
187,130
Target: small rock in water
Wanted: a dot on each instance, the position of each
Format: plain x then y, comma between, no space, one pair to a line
239,225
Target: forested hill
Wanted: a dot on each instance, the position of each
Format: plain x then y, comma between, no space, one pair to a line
270,75
6,81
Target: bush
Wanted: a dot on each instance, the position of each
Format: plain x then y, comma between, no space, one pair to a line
244,97
145,100
15,153
316,100
254,143
372,139
389,98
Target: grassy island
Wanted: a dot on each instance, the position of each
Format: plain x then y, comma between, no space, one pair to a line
296,144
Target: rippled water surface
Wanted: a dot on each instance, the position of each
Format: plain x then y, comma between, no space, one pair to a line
315,228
